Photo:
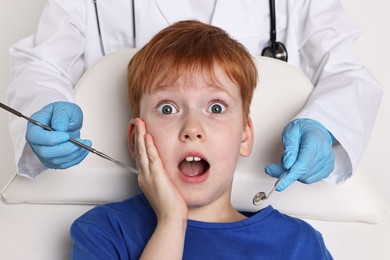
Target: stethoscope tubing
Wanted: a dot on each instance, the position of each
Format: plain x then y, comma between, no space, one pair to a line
99,30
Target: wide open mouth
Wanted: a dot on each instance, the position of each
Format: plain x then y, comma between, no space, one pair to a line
193,166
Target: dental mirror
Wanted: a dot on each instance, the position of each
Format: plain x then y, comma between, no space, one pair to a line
261,196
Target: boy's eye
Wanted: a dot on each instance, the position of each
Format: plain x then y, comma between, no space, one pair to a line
216,108
167,109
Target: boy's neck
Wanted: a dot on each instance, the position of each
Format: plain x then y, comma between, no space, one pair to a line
215,214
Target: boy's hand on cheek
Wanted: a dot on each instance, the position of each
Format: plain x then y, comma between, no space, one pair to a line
166,200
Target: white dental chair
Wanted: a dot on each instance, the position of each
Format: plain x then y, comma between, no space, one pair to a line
35,215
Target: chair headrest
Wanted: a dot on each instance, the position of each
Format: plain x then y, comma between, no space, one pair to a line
281,94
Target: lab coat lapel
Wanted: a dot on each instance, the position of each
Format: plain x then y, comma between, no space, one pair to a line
117,31
174,10
232,15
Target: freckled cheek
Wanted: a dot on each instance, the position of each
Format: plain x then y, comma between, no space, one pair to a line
163,138
226,132
225,140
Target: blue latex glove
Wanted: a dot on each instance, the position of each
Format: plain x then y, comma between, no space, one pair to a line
52,147
308,154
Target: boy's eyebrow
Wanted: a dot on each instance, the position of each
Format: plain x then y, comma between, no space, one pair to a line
160,88
164,87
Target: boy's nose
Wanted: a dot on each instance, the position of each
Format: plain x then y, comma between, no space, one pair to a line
192,131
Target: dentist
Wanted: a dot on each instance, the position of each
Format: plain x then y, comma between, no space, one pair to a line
326,140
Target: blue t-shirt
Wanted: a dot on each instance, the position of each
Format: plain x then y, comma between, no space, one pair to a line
122,230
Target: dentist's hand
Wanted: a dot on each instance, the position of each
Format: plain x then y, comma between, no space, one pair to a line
52,147
166,200
308,154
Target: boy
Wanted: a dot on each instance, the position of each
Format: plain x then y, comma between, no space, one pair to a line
190,89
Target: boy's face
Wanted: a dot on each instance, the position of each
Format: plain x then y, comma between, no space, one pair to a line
198,129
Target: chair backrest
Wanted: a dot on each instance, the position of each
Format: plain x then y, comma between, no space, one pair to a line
282,92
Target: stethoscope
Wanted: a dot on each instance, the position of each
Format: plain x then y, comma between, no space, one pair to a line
276,50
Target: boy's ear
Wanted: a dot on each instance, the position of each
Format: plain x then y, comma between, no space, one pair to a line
130,139
247,138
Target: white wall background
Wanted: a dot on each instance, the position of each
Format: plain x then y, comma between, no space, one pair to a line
18,18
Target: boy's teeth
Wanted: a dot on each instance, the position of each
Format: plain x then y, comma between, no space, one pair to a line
192,158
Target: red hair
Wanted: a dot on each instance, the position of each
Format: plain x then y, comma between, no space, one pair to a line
183,48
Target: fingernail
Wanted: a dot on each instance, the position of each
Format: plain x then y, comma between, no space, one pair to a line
280,187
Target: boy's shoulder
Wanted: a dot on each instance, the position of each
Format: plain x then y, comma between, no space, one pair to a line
294,237
271,219
132,208
114,227
266,234
307,240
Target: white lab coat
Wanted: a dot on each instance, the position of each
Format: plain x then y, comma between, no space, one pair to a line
319,36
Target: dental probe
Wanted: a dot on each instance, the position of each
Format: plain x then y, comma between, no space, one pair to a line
74,141
261,196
